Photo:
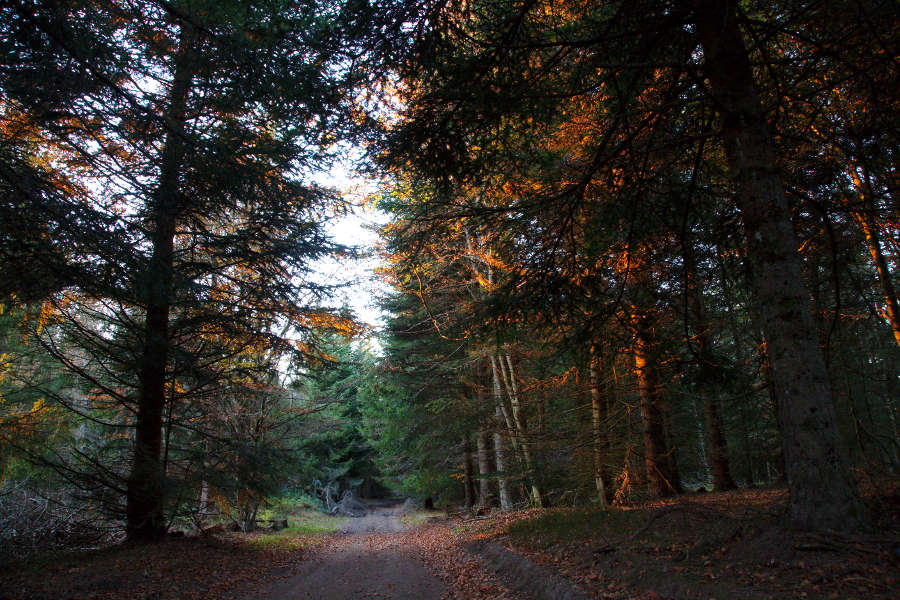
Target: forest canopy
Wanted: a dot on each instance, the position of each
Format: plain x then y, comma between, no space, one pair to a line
673,221
631,249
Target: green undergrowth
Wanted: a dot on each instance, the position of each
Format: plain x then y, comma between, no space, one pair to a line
304,528
305,523
304,514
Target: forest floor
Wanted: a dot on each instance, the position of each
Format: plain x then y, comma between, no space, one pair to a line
723,545
713,545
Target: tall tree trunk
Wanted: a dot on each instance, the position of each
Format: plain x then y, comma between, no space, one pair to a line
710,375
598,424
699,424
508,373
144,510
467,472
501,418
500,457
662,470
501,403
866,220
718,450
822,492
766,371
484,467
203,504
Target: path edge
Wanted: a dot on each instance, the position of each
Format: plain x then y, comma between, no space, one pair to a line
523,575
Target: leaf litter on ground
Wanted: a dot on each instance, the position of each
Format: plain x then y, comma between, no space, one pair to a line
715,545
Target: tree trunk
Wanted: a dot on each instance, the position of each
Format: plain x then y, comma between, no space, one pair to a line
822,493
715,429
203,505
598,422
507,371
865,218
766,371
718,450
501,417
501,404
710,375
484,468
144,510
467,470
699,424
662,470
500,457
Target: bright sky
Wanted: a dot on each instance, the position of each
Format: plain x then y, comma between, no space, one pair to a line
355,229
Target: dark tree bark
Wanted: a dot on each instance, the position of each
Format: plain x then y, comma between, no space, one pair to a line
598,423
718,449
766,371
710,375
468,472
822,493
662,469
144,510
484,468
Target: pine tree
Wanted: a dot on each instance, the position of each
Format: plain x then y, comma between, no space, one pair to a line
194,127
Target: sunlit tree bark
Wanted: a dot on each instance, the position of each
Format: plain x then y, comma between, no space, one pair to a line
865,218
662,469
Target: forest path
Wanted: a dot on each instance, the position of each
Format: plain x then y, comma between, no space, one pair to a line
381,518
365,561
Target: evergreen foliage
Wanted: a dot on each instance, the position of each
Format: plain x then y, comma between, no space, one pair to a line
633,249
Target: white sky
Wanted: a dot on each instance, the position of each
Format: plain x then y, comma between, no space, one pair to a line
355,229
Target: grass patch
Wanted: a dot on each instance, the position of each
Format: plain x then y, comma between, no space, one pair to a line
311,522
290,539
305,526
416,518
305,523
302,516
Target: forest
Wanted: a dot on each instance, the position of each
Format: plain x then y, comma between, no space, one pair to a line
629,252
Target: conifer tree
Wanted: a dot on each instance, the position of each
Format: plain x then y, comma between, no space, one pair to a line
186,134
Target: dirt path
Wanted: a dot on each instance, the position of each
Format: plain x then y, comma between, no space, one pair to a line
379,519
361,565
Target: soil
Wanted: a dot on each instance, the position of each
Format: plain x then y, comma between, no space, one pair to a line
186,568
383,517
356,566
524,576
703,546
724,545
